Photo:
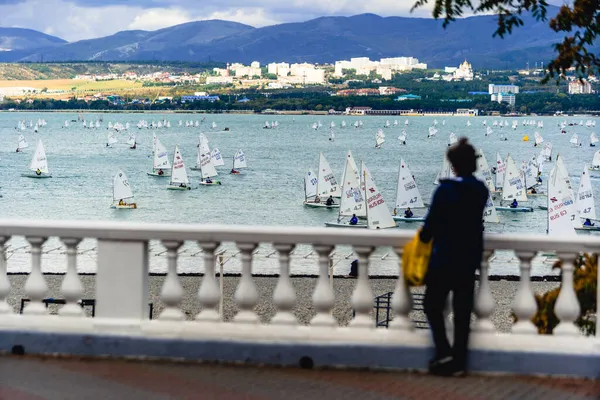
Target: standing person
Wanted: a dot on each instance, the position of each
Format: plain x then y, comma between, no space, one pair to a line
455,223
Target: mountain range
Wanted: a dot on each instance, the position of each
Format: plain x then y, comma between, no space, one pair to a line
320,40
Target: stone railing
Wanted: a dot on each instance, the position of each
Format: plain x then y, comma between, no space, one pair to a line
121,326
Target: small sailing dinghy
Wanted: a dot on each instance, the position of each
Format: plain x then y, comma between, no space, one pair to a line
111,139
452,139
22,144
585,202
483,172
595,162
379,139
574,140
122,192
352,202
39,164
179,178
131,142
560,200
327,186
207,171
160,159
239,161
593,139
202,148
513,187
407,195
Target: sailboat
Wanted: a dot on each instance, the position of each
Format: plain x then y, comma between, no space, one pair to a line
513,187
546,152
595,162
239,161
574,140
452,139
352,202
500,171
488,131
111,139
432,132
331,135
207,170
22,144
379,139
202,148
407,194
131,142
310,186
39,163
213,125
343,124
538,139
402,137
327,185
586,205
179,178
122,192
483,172
593,139
217,160
559,197
387,124
267,125
160,159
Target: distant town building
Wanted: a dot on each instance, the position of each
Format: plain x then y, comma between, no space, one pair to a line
464,72
408,97
357,110
580,87
470,112
241,70
279,69
384,67
212,99
219,80
386,90
255,64
502,89
509,98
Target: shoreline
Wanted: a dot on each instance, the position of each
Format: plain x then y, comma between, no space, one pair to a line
503,292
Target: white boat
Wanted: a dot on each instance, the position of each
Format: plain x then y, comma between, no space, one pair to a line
22,144
331,136
379,139
131,142
547,151
160,159
483,172
310,192
39,163
538,139
387,124
488,131
452,139
207,170
593,139
595,162
571,207
407,193
239,161
327,184
267,125
212,126
559,197
122,192
352,201
217,159
513,187
202,148
111,139
432,132
179,178
402,137
585,197
574,140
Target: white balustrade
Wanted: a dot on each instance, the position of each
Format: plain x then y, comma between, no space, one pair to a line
246,294
171,293
36,286
362,298
284,296
567,307
71,288
209,293
524,304
323,297
401,300
5,308
484,300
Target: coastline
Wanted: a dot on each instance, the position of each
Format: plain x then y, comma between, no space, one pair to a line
503,292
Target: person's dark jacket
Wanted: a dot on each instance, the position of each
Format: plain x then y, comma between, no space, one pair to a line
455,223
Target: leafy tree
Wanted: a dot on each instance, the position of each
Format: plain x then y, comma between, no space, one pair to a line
580,21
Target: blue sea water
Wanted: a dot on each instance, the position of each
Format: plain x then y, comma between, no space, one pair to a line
270,190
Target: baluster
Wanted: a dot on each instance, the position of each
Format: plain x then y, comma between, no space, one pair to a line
362,298
5,308
36,287
524,304
71,288
246,294
484,301
284,296
323,297
401,300
567,307
172,291
209,293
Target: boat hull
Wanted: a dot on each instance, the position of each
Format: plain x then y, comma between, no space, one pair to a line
543,207
214,183
36,176
178,188
157,175
320,205
516,209
131,206
344,225
588,228
405,219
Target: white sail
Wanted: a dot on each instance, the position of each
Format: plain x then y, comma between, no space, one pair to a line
446,172
514,185
331,136
343,124
585,197
310,184
239,160
217,160
213,126
483,171
207,168
178,172
565,174
596,160
379,138
121,187
407,192
452,139
488,131
547,151
500,171
432,131
352,201
574,139
402,137
203,144
131,140
538,138
22,143
159,155
327,184
39,161
593,138
378,214
111,139
559,199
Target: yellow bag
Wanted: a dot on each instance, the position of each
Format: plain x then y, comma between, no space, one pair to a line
415,261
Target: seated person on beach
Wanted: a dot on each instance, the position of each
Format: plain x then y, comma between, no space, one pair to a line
408,213
514,204
353,220
330,201
588,222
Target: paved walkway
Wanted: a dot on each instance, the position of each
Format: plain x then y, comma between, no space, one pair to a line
29,378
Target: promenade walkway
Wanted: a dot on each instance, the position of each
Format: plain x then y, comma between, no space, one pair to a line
29,378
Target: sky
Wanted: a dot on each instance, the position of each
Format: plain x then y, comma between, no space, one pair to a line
74,20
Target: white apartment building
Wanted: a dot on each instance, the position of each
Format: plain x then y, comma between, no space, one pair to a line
580,87
492,89
279,69
219,80
255,64
364,66
509,98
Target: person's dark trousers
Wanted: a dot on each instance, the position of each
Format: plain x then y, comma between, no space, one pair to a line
462,288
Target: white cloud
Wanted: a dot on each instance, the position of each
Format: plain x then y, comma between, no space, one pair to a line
157,18
256,17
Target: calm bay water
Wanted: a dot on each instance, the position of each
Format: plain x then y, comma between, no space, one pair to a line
270,191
